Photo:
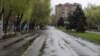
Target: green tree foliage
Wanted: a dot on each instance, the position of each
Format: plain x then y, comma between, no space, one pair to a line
28,11
41,12
1,9
77,20
7,5
92,13
1,4
60,22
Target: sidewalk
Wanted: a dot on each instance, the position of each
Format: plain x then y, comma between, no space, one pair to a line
13,40
93,32
10,35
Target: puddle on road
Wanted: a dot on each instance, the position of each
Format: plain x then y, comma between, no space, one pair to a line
51,41
20,51
66,41
42,49
54,55
81,43
60,45
53,51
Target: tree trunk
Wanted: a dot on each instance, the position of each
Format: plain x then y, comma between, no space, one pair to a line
19,18
22,26
98,25
1,22
20,22
17,25
1,13
6,21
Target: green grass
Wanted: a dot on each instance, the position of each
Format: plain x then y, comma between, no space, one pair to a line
89,36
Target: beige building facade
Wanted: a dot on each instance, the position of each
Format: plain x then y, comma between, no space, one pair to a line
63,10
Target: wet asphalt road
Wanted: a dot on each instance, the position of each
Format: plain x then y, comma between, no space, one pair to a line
11,46
54,42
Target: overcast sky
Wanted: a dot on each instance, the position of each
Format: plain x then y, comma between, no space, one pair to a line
84,3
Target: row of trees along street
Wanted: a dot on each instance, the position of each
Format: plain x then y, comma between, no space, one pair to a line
20,13
92,13
82,20
76,20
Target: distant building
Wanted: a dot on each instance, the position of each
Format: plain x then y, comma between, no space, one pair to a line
63,10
